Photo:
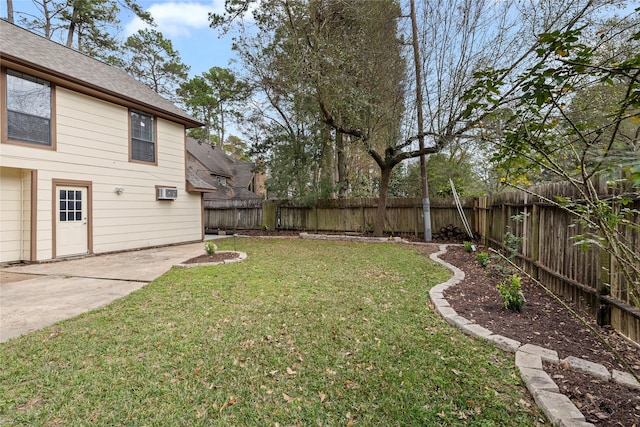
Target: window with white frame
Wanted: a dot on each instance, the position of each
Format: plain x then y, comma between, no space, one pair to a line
143,140
28,104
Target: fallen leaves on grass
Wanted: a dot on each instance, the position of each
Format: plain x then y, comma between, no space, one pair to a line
232,401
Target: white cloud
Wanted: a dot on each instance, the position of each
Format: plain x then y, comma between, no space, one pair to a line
178,18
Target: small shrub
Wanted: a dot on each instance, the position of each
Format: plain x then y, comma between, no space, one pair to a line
265,227
209,248
468,246
482,258
511,294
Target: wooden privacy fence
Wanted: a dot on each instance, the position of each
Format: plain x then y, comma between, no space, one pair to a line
232,215
549,252
404,216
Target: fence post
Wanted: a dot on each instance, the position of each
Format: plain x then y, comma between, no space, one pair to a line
535,239
269,215
489,217
606,276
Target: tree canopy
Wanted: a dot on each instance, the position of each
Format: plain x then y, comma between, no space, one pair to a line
214,98
151,59
344,64
89,26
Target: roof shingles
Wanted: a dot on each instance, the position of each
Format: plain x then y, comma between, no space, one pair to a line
20,45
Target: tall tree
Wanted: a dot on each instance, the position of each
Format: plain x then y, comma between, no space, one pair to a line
44,21
197,96
89,26
215,98
151,59
86,22
344,57
229,92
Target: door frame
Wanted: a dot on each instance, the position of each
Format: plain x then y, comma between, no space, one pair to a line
54,214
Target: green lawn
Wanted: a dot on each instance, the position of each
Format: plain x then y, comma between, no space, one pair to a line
302,333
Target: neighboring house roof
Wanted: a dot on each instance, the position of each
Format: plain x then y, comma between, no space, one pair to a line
81,72
206,163
197,183
214,159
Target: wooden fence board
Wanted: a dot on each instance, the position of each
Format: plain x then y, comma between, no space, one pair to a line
403,216
551,254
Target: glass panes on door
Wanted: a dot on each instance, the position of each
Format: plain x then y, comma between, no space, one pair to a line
70,205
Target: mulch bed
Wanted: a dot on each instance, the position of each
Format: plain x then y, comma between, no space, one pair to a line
217,257
544,322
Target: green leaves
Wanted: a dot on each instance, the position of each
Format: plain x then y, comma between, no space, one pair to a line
511,293
214,98
151,59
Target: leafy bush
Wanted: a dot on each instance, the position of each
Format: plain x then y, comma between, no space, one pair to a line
482,258
511,294
209,248
468,246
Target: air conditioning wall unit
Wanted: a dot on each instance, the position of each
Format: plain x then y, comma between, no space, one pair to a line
167,193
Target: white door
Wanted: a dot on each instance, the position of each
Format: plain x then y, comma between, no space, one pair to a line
72,236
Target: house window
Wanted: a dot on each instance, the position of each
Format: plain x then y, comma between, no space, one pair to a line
28,105
143,140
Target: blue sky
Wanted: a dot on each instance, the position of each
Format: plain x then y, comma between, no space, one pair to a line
184,22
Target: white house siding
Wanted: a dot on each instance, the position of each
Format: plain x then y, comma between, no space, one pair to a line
15,214
93,146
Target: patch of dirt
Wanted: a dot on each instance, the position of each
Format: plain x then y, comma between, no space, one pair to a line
217,257
9,277
544,322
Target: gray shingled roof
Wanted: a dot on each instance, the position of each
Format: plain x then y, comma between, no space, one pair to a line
206,162
199,183
213,158
25,47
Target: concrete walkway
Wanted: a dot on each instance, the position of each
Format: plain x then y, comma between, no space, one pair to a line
38,295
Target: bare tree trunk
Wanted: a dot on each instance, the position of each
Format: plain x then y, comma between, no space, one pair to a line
342,166
47,20
79,32
72,28
10,10
326,160
385,177
221,127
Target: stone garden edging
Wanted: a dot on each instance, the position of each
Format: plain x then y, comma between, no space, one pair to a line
556,406
241,257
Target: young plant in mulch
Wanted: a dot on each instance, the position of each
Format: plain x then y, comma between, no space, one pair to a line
483,258
511,293
210,248
560,301
469,246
